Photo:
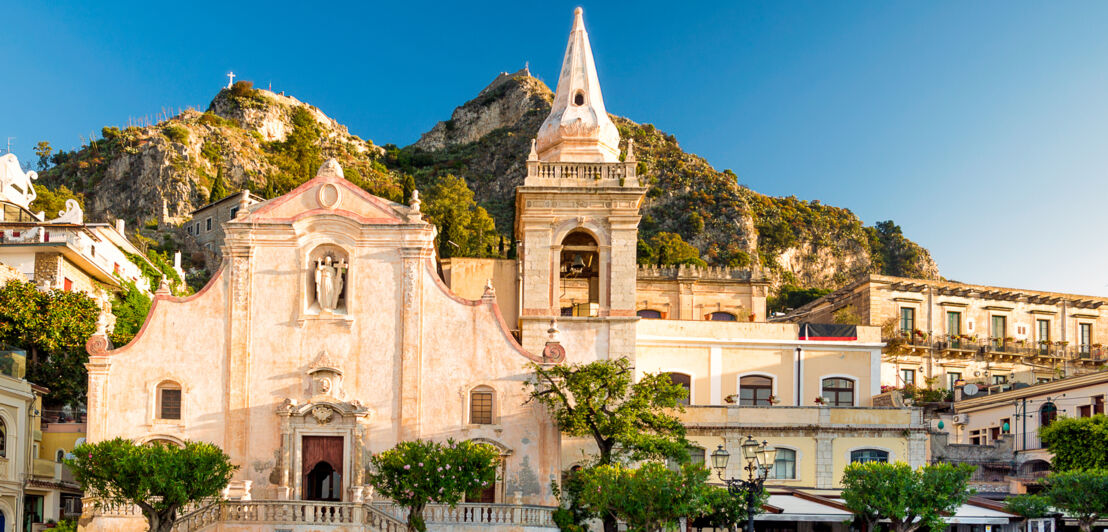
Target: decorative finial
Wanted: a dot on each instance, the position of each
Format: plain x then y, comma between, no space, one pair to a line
244,202
331,168
552,332
163,288
534,155
630,151
489,290
415,203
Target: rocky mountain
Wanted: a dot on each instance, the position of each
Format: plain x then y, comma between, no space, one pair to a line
806,243
248,138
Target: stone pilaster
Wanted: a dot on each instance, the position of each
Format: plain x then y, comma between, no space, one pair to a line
825,461
411,345
48,269
239,301
917,449
97,401
624,268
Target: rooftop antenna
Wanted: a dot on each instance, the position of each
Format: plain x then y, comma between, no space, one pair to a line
10,139
230,79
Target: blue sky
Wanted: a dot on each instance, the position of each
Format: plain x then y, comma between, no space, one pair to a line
980,127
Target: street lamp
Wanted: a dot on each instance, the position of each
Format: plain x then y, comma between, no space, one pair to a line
759,460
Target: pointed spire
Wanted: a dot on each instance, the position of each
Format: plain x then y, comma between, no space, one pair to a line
578,128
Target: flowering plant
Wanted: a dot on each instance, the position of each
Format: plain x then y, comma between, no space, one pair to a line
416,473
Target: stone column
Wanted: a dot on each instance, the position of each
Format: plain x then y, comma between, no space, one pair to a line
411,359
825,461
238,356
604,253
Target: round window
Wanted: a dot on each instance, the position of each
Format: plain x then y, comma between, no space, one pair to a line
579,98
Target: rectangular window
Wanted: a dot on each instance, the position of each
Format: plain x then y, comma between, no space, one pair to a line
907,320
1042,330
208,223
1000,379
1085,411
480,408
1084,337
1000,330
190,229
171,404
1006,422
952,378
908,376
68,285
1098,404
234,211
197,228
953,323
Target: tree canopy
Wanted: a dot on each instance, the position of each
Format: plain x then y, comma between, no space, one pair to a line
1077,443
53,327
1079,494
909,499
649,498
601,401
159,478
415,473
52,202
465,229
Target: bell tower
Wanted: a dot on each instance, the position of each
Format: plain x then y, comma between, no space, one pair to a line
577,217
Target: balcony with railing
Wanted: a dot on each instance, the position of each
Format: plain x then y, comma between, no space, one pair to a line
541,173
954,344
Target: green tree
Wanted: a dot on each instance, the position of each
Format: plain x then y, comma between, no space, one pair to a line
625,419
1077,443
1079,494
670,248
43,150
909,499
465,229
601,400
416,473
219,190
724,510
158,478
649,498
53,327
792,296
1028,506
53,201
130,308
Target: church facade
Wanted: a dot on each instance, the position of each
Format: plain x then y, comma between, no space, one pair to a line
328,335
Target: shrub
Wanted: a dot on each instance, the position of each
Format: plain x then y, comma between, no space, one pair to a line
243,89
176,133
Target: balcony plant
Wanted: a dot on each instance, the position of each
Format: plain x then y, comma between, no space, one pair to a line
821,400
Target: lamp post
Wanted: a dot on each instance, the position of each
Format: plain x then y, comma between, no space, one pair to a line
759,460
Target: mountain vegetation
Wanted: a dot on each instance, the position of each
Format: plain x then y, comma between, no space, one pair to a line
467,169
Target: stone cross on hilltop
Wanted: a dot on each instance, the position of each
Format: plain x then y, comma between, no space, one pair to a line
230,79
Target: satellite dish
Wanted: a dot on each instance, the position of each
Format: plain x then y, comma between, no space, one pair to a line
970,389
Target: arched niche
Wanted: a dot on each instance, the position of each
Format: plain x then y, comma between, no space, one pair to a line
327,287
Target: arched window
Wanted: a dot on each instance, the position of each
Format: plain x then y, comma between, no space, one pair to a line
721,316
649,314
480,406
3,438
169,400
580,275
838,391
755,390
784,466
1047,414
869,455
684,381
59,456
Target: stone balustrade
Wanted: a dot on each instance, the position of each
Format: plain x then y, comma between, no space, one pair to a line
649,272
604,174
479,514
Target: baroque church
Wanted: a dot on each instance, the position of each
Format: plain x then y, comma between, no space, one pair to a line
329,334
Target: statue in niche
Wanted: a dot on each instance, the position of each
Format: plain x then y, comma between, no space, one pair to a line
329,281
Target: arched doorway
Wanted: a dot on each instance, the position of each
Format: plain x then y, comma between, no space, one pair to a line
323,483
1047,414
322,471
